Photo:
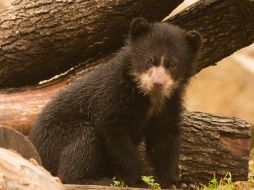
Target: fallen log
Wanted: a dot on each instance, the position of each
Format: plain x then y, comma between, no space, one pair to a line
214,145
42,38
19,109
19,173
55,36
14,140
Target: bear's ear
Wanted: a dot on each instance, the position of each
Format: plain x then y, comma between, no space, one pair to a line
195,40
139,26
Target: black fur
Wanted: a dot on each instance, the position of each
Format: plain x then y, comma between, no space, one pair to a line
91,129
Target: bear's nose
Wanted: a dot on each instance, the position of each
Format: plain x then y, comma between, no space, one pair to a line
158,84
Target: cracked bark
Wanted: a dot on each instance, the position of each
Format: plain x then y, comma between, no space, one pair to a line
211,145
40,39
43,38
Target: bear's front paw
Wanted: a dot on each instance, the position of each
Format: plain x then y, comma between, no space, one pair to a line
170,181
184,186
131,174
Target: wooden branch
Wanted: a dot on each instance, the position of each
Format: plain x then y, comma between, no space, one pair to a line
42,38
226,26
19,173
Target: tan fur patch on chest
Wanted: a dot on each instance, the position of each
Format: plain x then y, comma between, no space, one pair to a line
156,106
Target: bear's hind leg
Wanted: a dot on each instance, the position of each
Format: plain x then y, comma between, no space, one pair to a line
83,161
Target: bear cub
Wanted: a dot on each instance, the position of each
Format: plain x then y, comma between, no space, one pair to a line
90,130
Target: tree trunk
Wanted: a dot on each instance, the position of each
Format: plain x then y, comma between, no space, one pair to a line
42,38
19,173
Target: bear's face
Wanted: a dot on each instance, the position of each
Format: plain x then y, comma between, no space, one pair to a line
161,56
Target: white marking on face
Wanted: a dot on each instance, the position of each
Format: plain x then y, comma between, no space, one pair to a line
162,60
157,84
156,81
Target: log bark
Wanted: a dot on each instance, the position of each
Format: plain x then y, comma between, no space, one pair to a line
19,173
214,145
210,145
42,38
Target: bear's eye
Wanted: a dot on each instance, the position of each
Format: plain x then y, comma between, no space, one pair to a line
149,61
172,66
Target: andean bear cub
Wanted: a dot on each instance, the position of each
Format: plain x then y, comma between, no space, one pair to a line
90,130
